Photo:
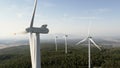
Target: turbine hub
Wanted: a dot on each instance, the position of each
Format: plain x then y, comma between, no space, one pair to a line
89,37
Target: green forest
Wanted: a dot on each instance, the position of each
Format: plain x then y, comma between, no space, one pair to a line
77,57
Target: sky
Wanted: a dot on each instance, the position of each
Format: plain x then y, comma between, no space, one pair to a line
62,16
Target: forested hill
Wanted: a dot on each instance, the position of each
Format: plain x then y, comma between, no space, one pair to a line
19,57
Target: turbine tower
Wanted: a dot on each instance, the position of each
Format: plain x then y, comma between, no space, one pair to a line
35,40
56,46
66,44
90,40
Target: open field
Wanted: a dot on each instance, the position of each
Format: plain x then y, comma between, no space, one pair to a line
19,57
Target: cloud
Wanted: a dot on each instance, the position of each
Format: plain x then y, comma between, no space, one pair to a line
19,15
100,10
65,15
103,10
87,17
80,17
97,11
48,4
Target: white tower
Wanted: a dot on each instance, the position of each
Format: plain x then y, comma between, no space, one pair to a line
66,44
56,46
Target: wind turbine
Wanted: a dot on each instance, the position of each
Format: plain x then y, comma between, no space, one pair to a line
66,44
90,40
35,40
56,46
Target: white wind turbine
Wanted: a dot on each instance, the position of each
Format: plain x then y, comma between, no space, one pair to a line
66,44
35,41
90,40
56,45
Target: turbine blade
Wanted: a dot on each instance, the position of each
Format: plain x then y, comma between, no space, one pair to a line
81,41
31,49
34,10
23,32
89,28
95,44
34,51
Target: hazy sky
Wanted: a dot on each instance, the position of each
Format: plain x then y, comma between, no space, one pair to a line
62,16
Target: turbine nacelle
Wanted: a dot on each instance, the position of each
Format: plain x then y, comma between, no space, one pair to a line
42,30
89,37
56,37
66,35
